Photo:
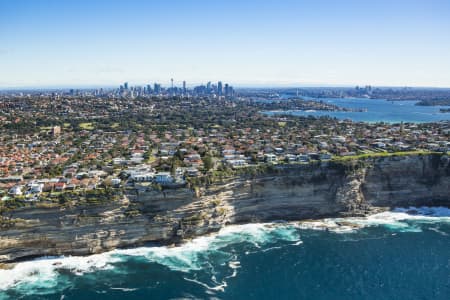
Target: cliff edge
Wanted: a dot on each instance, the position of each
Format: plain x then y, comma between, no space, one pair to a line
285,192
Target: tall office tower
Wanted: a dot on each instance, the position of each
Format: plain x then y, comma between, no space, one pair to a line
227,92
219,88
172,92
184,87
125,85
149,89
208,87
157,89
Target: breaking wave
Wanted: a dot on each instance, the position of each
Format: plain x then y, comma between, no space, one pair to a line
46,275
208,260
400,219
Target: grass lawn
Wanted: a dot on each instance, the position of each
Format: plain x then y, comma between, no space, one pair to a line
86,126
151,159
381,154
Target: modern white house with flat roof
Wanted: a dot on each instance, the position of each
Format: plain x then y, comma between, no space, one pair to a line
142,177
36,188
163,177
269,157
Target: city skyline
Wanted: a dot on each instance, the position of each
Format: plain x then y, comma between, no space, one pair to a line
247,43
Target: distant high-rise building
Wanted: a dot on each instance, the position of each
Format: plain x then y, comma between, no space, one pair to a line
125,85
184,87
219,88
157,88
208,87
227,87
149,89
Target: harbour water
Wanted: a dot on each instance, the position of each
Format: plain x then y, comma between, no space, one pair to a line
401,254
378,110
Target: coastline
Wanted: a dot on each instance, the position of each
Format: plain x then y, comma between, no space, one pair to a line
397,219
172,217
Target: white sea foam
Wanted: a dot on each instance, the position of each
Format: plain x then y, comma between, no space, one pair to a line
191,256
399,219
425,211
43,275
220,287
333,225
124,289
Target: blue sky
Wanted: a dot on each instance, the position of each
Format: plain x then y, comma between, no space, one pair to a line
244,42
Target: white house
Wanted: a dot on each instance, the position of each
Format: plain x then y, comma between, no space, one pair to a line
115,181
303,157
163,177
269,157
15,190
142,177
36,188
237,162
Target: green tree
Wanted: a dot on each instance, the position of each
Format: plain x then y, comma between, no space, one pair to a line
208,162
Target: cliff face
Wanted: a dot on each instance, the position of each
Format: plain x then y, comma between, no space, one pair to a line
416,180
286,193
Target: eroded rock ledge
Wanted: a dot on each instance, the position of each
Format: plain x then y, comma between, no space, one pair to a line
285,193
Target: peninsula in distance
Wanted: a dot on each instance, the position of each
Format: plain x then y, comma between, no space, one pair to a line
241,150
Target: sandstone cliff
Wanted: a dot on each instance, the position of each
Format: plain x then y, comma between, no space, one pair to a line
285,193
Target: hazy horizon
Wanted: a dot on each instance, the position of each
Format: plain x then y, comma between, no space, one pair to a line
190,86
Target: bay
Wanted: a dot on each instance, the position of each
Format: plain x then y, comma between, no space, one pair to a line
378,110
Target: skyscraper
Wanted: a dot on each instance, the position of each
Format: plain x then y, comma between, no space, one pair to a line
219,88
184,87
227,91
125,85
156,88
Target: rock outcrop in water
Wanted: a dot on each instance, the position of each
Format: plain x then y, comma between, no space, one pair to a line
291,192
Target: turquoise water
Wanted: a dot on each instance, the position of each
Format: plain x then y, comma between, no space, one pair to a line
379,110
403,254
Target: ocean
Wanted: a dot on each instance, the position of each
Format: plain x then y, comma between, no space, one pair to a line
378,110
400,254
